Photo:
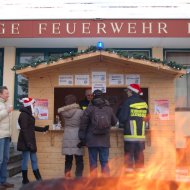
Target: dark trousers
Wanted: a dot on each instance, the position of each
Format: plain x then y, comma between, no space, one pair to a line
79,165
103,153
134,156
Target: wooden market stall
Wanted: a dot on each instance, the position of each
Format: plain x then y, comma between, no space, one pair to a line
156,80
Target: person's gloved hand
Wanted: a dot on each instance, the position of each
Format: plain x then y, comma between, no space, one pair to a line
81,144
46,128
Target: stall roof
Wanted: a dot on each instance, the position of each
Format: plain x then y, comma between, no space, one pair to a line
100,56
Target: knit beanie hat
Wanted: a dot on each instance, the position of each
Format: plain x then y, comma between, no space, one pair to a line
97,94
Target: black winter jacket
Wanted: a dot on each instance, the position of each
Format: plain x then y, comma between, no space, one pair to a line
87,125
27,139
84,104
132,116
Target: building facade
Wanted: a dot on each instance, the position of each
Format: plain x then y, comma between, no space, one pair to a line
31,41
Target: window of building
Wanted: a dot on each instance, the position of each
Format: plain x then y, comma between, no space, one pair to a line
182,94
1,66
136,52
24,56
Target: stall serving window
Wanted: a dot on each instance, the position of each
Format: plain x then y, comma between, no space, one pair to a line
115,96
1,65
182,94
24,56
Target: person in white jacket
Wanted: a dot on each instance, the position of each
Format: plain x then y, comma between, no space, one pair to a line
72,114
5,137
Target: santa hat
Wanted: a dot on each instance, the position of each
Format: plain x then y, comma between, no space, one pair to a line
135,88
28,102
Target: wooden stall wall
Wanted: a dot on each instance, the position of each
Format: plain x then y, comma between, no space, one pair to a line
160,87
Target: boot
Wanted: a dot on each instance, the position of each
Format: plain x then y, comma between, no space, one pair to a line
79,166
37,174
68,174
25,177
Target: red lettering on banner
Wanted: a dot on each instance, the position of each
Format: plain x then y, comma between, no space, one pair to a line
69,29
101,28
147,27
82,28
11,29
132,28
188,28
42,27
15,28
116,28
162,27
85,28
2,28
56,28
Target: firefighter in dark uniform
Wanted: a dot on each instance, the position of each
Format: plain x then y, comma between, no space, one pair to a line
133,115
88,98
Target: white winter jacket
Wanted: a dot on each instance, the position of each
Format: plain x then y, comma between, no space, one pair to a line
4,120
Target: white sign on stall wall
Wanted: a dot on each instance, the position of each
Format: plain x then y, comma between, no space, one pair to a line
116,79
99,86
132,79
98,77
82,80
66,80
99,81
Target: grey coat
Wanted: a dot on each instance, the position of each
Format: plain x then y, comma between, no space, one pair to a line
72,117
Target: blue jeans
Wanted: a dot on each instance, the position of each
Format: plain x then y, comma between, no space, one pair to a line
33,158
4,158
103,157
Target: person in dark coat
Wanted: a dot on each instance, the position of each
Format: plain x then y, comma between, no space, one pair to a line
133,115
27,140
87,100
98,143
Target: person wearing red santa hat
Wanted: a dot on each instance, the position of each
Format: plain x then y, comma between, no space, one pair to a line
133,115
27,140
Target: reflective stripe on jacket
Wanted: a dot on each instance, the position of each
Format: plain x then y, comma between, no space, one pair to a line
131,117
134,136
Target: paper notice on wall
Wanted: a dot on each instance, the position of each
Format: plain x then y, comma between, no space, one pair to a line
99,81
161,108
65,79
99,86
116,79
82,80
132,79
41,109
99,77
